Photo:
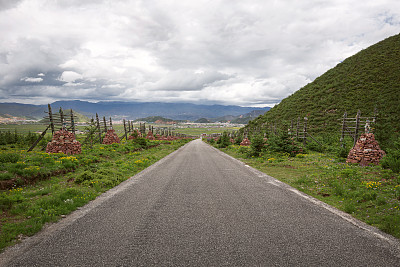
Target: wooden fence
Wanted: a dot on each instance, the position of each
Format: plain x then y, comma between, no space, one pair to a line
96,128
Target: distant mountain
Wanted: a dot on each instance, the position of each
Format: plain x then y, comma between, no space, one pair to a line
130,110
156,119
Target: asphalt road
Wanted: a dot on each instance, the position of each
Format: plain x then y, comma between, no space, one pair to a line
200,207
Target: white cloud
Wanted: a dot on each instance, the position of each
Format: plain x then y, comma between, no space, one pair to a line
70,76
231,52
32,80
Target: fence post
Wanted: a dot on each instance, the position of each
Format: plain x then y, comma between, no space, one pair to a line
343,128
98,126
126,134
357,125
105,124
72,121
51,119
305,131
62,119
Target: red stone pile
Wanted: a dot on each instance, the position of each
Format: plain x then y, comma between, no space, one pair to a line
64,142
111,137
133,137
245,142
366,151
150,136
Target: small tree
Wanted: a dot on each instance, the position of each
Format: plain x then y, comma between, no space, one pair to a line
257,145
224,140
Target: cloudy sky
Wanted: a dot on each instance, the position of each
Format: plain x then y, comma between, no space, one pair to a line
248,53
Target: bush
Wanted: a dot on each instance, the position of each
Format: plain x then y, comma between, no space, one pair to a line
283,143
142,142
224,140
392,159
257,145
238,139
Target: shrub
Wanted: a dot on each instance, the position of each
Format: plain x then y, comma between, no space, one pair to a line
142,142
224,140
238,139
392,159
257,145
283,143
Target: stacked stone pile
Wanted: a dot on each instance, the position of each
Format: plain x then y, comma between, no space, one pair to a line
111,137
245,142
150,136
64,142
366,151
133,137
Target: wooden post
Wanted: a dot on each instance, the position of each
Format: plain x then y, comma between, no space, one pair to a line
111,123
343,128
105,124
62,119
98,127
356,128
126,133
51,119
305,131
72,122
38,140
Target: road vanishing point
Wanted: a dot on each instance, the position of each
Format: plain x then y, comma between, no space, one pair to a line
200,207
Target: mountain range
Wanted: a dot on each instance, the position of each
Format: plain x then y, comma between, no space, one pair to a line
130,110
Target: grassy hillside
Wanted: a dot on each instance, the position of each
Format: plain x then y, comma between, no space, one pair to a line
368,80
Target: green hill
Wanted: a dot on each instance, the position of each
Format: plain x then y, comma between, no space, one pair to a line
154,119
368,80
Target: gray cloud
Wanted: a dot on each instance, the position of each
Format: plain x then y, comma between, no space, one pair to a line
230,52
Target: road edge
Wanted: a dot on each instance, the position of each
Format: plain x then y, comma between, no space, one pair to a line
50,229
392,242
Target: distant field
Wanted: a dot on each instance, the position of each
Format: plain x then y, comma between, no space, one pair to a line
199,131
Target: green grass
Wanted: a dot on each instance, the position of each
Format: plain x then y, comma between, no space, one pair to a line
206,130
370,194
51,185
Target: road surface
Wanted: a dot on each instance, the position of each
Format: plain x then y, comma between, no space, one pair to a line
200,207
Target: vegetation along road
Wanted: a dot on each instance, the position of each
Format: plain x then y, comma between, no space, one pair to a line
200,207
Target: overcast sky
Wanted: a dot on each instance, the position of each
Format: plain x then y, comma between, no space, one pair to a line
248,53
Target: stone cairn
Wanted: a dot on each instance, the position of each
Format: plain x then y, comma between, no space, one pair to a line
133,137
111,137
150,136
245,142
64,142
366,151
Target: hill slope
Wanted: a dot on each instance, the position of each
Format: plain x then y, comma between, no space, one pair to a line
368,80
